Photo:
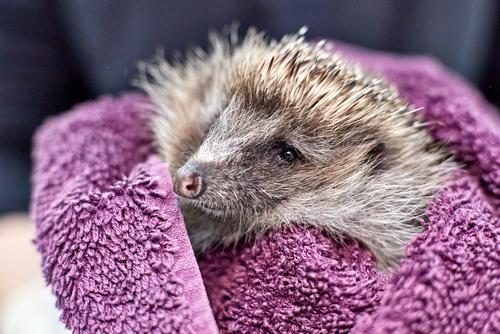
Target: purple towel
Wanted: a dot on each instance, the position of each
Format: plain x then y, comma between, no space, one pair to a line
116,253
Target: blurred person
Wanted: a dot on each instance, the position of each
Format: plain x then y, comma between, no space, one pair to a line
55,53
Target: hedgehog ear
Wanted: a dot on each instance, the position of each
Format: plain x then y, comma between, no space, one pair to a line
376,156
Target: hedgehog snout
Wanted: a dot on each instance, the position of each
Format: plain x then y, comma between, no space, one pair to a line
190,181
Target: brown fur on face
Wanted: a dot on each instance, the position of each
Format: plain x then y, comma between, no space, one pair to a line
362,169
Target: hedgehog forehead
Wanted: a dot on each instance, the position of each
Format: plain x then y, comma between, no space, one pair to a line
261,101
265,98
248,124
269,115
270,111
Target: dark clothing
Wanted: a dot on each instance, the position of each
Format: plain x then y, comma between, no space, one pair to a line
56,53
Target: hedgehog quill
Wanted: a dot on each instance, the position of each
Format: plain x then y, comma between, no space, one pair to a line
263,133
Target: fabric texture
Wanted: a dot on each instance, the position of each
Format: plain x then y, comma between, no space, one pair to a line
116,253
113,243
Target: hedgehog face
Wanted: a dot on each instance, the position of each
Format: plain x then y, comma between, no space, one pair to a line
240,169
252,161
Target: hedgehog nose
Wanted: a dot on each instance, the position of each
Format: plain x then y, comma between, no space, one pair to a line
189,181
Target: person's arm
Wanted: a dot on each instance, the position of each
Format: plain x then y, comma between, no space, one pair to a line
19,261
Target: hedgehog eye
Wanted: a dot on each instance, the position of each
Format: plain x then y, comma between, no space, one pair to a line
289,154
281,151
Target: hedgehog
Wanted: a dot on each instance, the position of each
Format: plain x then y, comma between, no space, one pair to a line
260,134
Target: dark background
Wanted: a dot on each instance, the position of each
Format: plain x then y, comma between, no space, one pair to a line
54,54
